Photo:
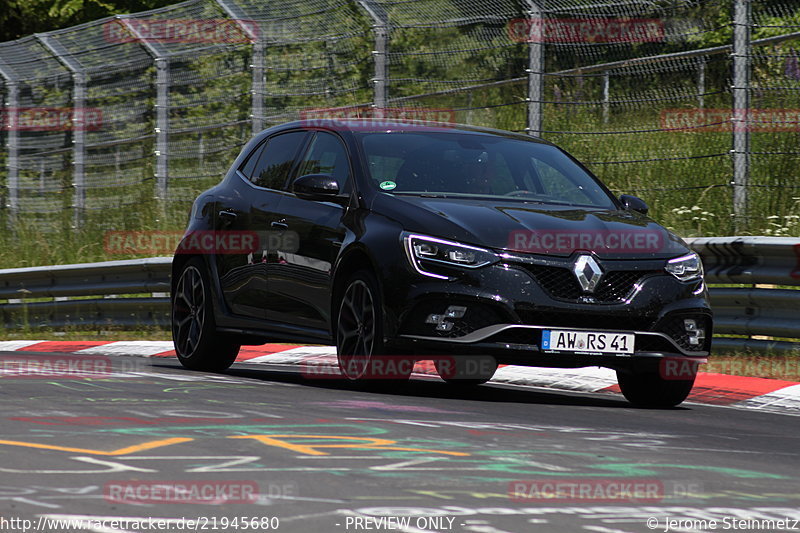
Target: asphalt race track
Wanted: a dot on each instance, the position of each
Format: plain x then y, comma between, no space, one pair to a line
279,451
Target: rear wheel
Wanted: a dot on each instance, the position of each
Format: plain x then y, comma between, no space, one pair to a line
649,389
360,348
197,343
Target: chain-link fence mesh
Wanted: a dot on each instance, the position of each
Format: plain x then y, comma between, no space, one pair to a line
774,188
119,123
615,111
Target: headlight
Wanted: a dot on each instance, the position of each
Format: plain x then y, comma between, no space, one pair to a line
686,268
429,255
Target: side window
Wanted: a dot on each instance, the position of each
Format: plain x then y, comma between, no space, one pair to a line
327,155
276,160
252,159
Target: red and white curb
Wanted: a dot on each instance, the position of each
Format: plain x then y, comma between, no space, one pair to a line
762,394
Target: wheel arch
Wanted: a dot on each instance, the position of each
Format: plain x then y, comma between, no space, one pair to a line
355,258
178,262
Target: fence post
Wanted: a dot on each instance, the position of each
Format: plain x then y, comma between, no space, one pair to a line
606,95
741,110
12,142
257,97
161,60
78,122
162,126
238,15
701,82
536,41
381,29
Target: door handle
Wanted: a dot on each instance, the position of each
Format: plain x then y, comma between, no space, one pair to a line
230,215
280,225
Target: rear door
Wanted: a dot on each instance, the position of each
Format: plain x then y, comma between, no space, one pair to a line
249,208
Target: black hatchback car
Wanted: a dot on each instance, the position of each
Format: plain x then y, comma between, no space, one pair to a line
465,245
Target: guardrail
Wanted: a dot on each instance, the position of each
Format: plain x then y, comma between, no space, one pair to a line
134,293
756,307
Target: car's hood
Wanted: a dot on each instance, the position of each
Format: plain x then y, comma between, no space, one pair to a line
533,228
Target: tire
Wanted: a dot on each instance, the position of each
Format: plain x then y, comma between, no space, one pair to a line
197,343
466,371
360,349
649,389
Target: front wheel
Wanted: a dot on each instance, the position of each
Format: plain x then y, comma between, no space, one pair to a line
197,343
360,348
649,389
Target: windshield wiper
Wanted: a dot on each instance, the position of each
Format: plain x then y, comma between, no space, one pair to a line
422,194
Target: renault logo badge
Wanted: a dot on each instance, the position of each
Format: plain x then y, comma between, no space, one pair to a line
588,272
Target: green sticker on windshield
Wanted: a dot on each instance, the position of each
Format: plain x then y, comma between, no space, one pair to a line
387,185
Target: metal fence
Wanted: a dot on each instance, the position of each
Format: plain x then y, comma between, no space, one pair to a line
118,123
755,308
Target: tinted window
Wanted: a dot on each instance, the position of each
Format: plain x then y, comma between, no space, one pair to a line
252,159
326,155
276,160
462,164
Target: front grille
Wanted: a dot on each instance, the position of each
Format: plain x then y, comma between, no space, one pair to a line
477,315
556,281
617,285
561,284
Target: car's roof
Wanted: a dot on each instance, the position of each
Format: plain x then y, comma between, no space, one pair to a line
372,125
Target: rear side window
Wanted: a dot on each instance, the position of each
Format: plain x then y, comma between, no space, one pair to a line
275,160
252,159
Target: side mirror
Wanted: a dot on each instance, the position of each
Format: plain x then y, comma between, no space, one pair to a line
319,187
634,203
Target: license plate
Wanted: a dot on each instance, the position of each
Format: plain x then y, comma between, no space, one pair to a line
559,340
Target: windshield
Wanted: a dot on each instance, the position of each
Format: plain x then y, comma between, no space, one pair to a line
468,165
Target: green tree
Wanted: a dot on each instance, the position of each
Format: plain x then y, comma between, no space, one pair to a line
19,18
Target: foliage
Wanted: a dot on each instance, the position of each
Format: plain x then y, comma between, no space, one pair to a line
25,17
683,174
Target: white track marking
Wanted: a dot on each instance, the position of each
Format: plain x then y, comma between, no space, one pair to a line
11,346
136,348
590,379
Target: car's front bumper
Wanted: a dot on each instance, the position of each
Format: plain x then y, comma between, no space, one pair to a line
507,308
506,343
